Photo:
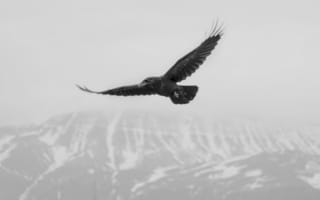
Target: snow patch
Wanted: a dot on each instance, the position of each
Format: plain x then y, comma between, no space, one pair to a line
6,153
228,171
253,173
130,160
157,174
26,134
313,181
91,171
60,156
109,139
49,138
5,140
90,153
258,183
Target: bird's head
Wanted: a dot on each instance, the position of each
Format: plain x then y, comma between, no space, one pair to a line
151,82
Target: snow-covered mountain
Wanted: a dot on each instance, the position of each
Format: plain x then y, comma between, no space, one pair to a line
122,156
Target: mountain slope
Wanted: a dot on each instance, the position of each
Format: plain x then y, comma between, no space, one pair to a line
92,155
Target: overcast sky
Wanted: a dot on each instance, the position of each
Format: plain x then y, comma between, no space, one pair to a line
266,65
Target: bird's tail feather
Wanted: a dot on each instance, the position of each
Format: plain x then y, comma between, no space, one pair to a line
184,94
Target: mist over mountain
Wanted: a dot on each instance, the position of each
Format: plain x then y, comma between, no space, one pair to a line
147,155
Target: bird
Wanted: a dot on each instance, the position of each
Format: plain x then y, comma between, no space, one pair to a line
166,84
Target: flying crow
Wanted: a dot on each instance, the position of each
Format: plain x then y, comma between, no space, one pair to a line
166,85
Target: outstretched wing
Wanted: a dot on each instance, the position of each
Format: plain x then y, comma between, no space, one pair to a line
131,90
188,64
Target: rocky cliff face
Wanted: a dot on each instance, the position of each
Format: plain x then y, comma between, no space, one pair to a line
150,156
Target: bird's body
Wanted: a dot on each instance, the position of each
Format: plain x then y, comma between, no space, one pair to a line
179,94
166,85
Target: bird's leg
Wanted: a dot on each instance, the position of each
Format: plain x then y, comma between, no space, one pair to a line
176,94
179,93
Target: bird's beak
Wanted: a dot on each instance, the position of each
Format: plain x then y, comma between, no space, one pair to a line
142,84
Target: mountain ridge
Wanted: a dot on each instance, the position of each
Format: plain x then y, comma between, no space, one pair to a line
150,149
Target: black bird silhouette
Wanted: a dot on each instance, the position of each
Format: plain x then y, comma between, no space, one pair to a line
166,85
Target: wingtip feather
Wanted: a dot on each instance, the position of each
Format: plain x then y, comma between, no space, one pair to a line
85,89
217,29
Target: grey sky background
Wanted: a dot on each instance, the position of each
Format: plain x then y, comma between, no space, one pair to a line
266,65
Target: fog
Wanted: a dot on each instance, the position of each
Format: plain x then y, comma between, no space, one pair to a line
266,65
